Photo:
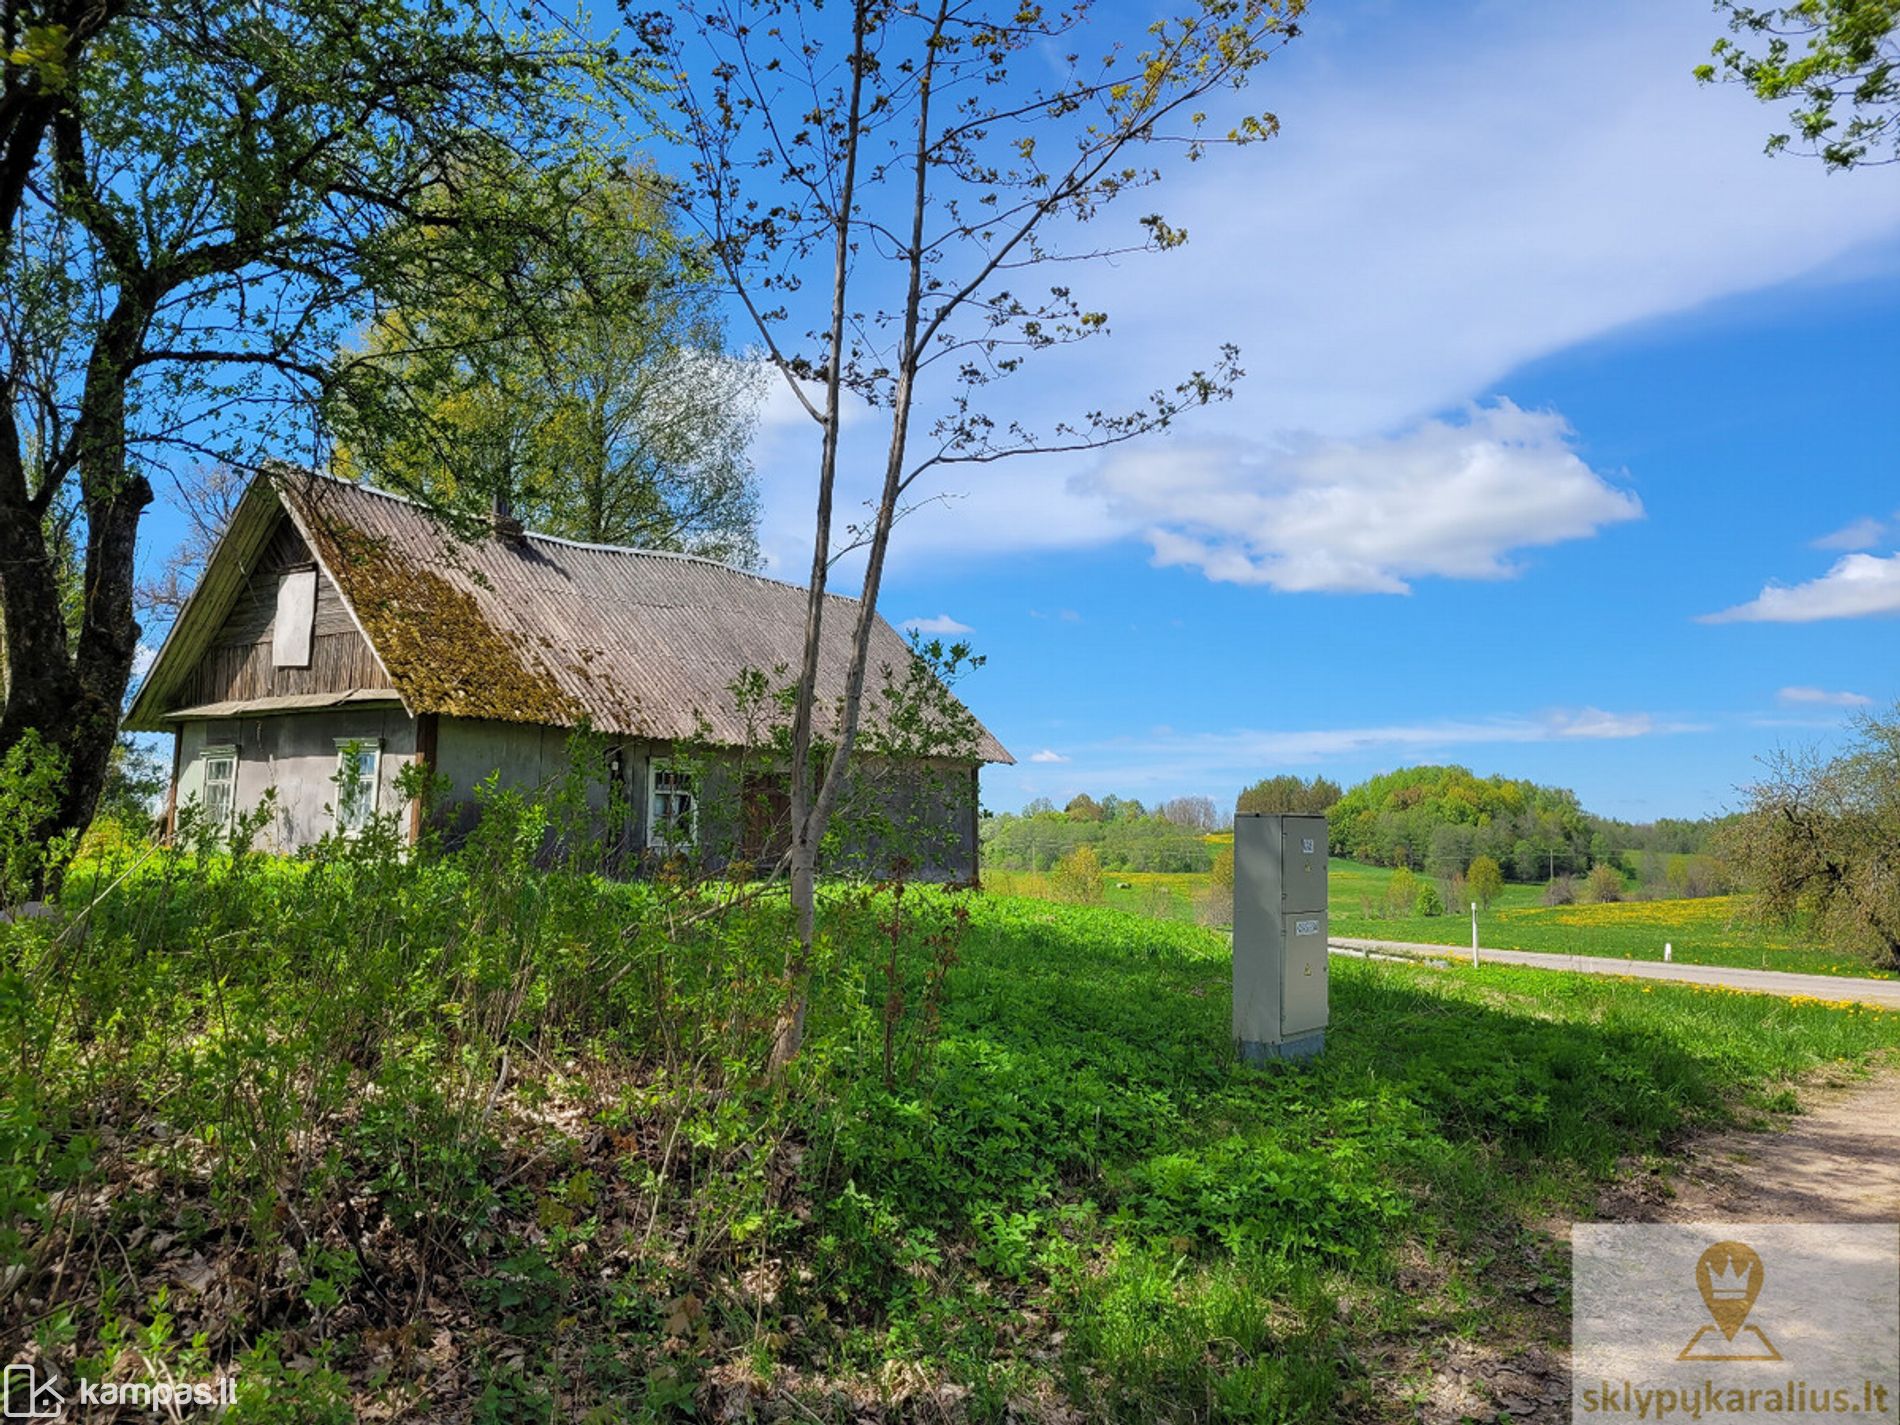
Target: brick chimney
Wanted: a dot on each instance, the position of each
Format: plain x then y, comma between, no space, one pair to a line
507,528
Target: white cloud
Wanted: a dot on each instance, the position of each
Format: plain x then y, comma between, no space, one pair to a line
1182,755
1596,723
1457,190
1447,499
1862,533
1822,697
1047,755
1858,586
942,623
143,657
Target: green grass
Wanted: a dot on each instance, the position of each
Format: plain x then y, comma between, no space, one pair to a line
1159,895
1713,930
1195,1219
390,1104
1709,930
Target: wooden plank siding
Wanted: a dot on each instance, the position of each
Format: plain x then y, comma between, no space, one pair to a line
239,664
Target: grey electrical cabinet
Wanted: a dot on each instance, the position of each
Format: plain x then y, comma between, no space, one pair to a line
1279,936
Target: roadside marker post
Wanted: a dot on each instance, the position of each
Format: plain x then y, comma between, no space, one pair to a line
1474,933
1669,952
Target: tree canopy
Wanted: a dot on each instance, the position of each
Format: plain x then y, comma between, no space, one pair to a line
1821,839
611,414
1289,795
200,200
1439,818
1835,62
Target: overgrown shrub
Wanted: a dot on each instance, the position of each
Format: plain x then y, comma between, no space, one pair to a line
1692,876
1401,893
1428,901
1603,885
1077,877
1215,906
1562,890
31,776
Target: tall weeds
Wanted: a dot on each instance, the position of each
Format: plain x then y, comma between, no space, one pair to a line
344,1058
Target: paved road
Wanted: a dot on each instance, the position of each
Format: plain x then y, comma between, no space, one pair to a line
1883,993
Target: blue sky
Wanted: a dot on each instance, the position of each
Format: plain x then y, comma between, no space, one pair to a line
1547,364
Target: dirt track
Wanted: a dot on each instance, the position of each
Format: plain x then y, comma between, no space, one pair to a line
1837,1161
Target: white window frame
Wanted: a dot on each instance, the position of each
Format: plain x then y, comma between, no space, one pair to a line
345,746
208,756
658,838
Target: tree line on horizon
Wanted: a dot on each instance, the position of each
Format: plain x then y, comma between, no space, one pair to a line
1434,819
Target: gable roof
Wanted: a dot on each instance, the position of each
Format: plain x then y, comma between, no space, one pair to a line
531,629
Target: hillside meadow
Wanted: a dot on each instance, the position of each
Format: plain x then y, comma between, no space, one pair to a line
1706,930
464,1138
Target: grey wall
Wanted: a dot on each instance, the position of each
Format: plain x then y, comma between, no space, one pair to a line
928,812
297,755
922,812
522,757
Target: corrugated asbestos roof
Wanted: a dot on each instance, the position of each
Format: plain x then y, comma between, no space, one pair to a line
546,630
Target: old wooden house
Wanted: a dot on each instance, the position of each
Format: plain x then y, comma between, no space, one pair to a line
339,634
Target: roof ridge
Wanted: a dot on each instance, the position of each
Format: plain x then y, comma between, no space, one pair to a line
362,487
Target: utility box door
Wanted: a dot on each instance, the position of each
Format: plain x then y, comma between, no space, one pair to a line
1303,983
1303,863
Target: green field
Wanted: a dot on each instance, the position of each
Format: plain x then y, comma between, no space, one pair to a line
500,1144
1711,930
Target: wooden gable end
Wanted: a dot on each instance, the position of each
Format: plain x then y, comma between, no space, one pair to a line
242,660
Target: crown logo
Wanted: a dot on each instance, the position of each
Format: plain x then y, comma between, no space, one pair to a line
1730,1276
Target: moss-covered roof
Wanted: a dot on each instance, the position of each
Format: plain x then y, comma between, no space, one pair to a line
543,630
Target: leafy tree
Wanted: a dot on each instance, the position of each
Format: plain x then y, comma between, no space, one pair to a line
1083,807
1428,901
1821,837
1484,879
1289,795
1837,62
1451,815
199,201
1450,849
614,417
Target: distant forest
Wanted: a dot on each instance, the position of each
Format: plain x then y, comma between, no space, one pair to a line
1126,835
1431,819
